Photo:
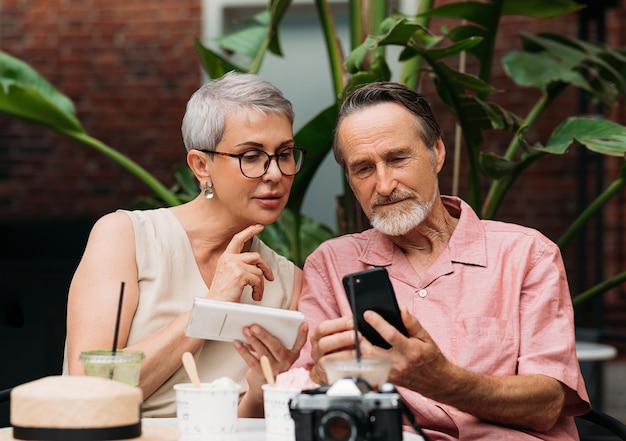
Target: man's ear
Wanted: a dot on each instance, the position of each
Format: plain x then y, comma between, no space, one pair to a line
439,150
199,163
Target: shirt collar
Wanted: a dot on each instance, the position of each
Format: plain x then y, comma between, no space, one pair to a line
467,244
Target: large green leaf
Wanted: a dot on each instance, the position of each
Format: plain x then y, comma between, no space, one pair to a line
417,41
499,118
27,95
280,235
214,64
495,166
550,62
396,31
464,32
540,70
459,81
316,137
278,8
251,42
475,12
184,190
599,135
248,42
478,12
540,8
453,49
599,62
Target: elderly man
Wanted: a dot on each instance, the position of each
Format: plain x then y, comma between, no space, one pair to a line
490,352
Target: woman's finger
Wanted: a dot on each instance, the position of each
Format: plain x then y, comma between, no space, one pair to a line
239,240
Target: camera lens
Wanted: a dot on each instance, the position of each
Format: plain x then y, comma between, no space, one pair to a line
338,425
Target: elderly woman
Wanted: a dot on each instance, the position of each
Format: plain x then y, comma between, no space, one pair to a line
239,139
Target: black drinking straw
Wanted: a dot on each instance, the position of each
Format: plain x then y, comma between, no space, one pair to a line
357,345
117,321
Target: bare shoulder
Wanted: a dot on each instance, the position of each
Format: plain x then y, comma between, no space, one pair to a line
116,222
112,230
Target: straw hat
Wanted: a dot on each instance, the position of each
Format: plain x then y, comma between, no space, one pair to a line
80,407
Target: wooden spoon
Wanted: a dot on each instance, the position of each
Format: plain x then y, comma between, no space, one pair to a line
267,370
190,367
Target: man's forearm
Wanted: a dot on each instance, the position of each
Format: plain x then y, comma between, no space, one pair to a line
528,401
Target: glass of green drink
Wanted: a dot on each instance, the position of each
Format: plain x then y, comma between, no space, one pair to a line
124,366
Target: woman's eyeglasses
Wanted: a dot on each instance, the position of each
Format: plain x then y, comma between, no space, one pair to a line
255,163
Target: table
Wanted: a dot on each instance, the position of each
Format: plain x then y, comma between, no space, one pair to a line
591,351
248,429
591,356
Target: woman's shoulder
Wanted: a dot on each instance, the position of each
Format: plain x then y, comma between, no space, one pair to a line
151,215
114,222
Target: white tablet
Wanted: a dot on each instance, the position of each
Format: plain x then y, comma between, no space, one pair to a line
219,320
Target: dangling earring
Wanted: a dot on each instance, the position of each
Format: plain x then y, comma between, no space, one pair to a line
208,190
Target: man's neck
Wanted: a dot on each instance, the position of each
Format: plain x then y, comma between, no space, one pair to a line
423,245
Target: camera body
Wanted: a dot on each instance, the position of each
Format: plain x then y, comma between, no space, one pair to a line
348,412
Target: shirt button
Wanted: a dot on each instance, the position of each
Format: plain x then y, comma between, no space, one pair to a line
422,293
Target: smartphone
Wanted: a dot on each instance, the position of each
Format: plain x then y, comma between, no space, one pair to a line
373,291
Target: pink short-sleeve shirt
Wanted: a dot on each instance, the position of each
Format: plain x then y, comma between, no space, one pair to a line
496,301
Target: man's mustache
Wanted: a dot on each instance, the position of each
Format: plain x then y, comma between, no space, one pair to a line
394,196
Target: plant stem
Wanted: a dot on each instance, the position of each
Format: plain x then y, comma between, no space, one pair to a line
599,288
486,64
590,211
333,47
411,70
357,34
255,66
141,173
497,190
297,252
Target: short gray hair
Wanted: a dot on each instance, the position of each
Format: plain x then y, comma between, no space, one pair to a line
388,92
215,100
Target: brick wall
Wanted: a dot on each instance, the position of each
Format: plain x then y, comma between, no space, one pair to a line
130,66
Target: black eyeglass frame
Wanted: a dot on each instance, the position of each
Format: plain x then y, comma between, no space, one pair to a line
269,159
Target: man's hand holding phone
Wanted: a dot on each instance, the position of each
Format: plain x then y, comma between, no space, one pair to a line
366,290
372,290
417,362
330,336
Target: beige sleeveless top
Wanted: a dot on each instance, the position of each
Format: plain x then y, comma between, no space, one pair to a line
169,280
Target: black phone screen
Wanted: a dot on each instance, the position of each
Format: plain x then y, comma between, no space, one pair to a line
373,291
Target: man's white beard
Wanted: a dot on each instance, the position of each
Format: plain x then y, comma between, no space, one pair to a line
397,221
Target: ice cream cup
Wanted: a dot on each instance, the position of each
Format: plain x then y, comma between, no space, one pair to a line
206,410
278,419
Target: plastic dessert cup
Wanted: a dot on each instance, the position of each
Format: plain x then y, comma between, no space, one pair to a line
208,410
373,370
278,419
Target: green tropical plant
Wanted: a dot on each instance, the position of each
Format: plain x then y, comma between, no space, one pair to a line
550,63
27,95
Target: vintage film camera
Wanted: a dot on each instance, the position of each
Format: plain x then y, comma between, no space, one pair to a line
349,410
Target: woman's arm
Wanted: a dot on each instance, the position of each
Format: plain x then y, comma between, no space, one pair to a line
93,300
